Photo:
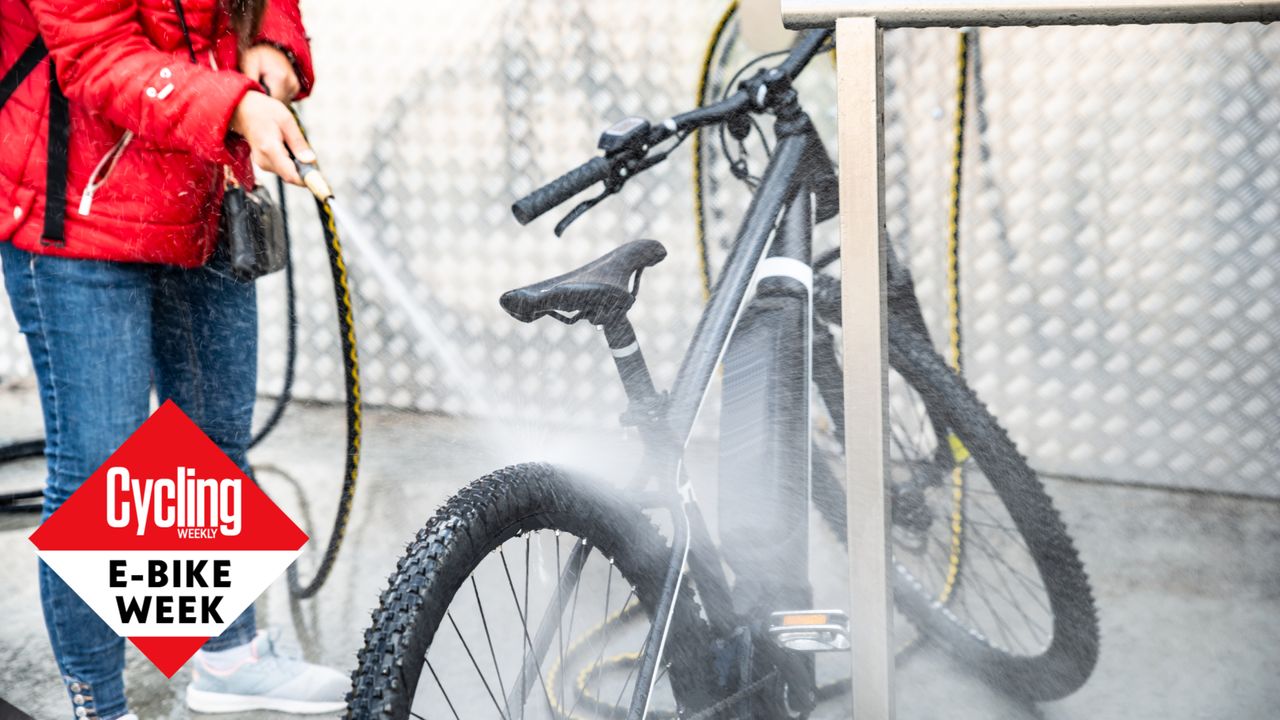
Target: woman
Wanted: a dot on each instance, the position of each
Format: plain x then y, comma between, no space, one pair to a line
106,247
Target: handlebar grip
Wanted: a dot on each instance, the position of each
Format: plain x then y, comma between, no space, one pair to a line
559,190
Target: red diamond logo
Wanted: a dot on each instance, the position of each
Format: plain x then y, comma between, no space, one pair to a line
168,541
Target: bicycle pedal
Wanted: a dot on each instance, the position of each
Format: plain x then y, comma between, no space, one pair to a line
810,631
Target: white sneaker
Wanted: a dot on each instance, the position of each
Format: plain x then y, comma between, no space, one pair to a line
256,677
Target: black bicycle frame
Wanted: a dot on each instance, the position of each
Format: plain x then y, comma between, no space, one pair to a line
779,222
773,247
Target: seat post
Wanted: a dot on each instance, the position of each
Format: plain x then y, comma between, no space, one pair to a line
632,368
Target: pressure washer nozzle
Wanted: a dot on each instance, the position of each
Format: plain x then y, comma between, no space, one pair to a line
314,180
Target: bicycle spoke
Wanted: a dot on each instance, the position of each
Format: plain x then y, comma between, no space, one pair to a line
903,444
560,625
475,664
488,637
526,577
994,526
1030,586
1013,638
608,630
995,520
664,670
989,537
442,692
1009,593
1000,625
622,613
631,673
525,625
604,640
922,416
995,614
600,656
1034,586
907,457
942,562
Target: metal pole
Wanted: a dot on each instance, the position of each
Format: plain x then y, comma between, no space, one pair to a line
860,118
991,13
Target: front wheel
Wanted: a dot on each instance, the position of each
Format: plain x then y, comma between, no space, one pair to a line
528,595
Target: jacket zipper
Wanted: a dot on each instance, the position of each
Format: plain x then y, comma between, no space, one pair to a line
103,170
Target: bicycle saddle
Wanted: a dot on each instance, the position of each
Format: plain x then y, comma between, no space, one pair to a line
600,291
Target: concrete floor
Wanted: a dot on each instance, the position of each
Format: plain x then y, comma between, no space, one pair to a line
1188,586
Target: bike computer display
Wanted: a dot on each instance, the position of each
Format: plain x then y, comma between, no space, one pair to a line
623,133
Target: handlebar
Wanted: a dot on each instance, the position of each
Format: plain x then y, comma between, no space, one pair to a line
561,189
622,165
806,47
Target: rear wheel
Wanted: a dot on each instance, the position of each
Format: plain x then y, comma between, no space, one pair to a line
479,595
982,562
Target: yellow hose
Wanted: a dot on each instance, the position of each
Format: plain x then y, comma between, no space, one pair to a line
958,452
699,219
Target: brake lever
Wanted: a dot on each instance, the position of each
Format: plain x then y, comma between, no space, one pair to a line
613,185
580,210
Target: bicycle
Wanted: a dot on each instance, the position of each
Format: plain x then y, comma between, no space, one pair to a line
683,641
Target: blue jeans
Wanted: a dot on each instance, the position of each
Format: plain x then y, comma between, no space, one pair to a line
101,334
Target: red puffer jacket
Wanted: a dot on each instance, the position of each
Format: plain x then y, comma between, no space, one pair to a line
148,128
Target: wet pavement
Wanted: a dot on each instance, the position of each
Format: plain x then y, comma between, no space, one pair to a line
1188,586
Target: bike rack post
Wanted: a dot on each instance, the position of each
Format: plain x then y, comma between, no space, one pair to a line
859,26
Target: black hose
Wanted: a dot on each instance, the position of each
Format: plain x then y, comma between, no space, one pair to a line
351,378
291,309
24,449
21,501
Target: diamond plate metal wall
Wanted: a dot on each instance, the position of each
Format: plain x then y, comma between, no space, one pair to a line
1119,252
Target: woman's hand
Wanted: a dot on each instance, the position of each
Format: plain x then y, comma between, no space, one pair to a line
272,132
268,65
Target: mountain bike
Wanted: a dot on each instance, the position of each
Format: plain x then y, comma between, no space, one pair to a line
537,592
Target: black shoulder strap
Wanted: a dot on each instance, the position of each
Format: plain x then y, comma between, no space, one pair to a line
55,204
186,32
26,63
55,207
